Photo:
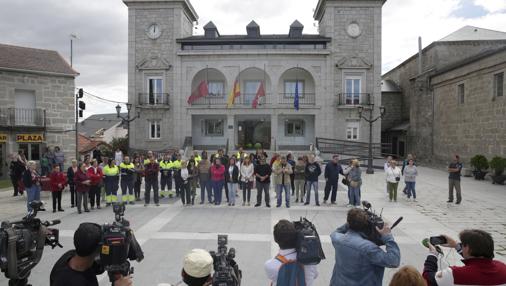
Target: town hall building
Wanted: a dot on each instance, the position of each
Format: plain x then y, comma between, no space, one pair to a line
278,91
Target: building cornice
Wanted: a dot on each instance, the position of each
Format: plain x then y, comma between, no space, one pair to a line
39,72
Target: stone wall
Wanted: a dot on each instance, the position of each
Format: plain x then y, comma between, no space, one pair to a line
55,95
478,126
394,112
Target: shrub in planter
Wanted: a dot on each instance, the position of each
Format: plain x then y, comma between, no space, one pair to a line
480,164
258,146
498,164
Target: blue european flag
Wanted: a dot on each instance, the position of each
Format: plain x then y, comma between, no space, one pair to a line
296,97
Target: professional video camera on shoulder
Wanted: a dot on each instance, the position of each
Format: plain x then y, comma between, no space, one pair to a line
226,270
119,245
22,244
375,221
309,247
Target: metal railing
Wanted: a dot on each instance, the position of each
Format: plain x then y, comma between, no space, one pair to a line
154,99
354,99
350,148
244,100
22,117
304,98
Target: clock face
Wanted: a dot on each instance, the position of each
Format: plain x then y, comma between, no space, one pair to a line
353,30
154,31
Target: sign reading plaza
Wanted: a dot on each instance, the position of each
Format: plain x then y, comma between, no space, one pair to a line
3,138
29,138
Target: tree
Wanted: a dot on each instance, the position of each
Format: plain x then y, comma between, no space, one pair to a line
116,143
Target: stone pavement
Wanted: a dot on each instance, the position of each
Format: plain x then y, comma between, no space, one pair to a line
169,231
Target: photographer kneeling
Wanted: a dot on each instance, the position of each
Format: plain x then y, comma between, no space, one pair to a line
78,267
359,261
477,249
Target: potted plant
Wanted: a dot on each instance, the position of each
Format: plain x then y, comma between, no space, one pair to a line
498,164
480,164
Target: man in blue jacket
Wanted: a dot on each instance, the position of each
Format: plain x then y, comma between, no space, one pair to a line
359,261
332,171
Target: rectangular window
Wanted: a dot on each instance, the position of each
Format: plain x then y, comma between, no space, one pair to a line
352,90
352,131
155,91
290,88
461,93
32,150
216,88
250,90
499,84
294,128
213,127
154,129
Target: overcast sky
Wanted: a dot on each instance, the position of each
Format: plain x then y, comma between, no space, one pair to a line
100,54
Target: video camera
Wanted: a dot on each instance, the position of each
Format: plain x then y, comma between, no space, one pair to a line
309,247
226,270
22,243
119,245
374,221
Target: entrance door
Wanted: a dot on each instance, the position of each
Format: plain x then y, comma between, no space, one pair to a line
252,133
395,142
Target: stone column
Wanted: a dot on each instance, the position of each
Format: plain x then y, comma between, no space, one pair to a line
274,131
230,133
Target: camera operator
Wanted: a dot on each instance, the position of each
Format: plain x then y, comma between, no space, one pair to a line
285,236
477,249
78,267
360,261
197,267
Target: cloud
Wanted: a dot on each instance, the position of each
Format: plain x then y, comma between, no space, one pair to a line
100,55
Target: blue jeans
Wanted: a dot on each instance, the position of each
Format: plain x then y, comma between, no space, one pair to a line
32,194
308,192
205,185
411,189
279,192
217,189
232,187
354,196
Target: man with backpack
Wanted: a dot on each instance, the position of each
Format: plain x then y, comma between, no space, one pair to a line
284,269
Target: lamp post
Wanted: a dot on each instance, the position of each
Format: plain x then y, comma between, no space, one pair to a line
72,37
370,120
126,120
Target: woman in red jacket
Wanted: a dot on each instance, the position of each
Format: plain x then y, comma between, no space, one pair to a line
96,176
58,182
82,183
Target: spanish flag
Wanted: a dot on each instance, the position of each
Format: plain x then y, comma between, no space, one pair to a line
235,92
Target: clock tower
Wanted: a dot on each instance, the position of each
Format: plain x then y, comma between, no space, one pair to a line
153,27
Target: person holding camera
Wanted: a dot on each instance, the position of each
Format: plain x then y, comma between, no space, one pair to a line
359,261
477,249
393,174
285,235
197,267
79,267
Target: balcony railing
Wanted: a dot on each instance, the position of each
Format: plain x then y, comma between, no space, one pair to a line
22,117
354,99
245,100
304,98
154,99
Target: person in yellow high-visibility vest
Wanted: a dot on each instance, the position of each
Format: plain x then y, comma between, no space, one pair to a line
176,173
166,176
240,154
127,170
111,173
197,158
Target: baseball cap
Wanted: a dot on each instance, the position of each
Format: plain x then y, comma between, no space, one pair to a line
198,263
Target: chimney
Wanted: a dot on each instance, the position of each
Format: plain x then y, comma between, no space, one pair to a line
210,30
253,30
419,55
296,30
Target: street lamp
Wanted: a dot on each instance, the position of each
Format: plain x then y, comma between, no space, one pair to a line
370,120
126,120
72,37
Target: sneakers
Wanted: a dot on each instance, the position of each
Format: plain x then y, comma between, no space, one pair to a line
349,205
414,200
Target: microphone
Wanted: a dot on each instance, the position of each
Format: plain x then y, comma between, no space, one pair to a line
396,222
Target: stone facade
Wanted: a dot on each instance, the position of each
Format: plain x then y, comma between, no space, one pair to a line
478,124
323,69
54,116
419,98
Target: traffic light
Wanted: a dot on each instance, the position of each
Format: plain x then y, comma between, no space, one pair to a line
80,93
82,106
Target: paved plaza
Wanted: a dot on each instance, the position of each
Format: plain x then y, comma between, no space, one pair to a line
169,231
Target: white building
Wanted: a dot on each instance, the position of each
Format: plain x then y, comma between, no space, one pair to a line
334,71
